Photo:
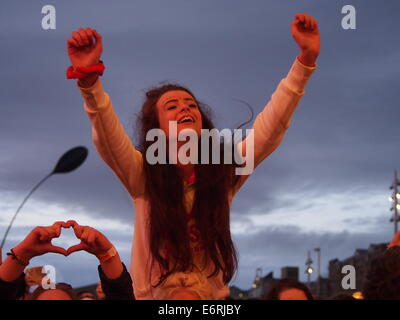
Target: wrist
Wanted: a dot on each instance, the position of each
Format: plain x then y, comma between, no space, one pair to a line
87,75
107,255
308,58
88,81
21,255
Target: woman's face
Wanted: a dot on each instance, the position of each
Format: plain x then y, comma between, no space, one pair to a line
179,106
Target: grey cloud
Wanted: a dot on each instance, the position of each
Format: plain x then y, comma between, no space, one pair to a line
343,135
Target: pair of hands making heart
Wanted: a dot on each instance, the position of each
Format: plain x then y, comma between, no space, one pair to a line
38,241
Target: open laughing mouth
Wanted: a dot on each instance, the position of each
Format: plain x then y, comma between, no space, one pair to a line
186,119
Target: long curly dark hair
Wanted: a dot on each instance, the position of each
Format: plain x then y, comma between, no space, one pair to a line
164,188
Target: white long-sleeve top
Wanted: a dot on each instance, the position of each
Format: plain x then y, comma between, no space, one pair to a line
117,150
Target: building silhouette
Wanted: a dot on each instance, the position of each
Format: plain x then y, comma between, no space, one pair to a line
322,288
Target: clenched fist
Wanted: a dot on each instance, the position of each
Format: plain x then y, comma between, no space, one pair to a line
306,34
84,47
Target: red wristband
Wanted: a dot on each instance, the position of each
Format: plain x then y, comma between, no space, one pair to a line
81,72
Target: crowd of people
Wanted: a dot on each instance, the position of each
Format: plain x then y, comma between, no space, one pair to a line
382,280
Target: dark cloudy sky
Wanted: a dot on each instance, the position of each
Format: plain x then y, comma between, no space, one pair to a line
326,185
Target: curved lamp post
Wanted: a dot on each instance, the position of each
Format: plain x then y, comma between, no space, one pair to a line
68,162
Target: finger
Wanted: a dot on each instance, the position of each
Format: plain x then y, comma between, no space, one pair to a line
85,234
72,43
36,231
52,232
57,227
43,234
56,249
78,230
71,223
103,241
62,224
84,36
294,26
315,24
89,35
300,17
307,21
98,37
78,38
35,235
77,247
91,239
312,23
301,20
57,230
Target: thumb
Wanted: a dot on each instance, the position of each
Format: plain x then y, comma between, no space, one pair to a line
294,26
56,249
77,247
98,37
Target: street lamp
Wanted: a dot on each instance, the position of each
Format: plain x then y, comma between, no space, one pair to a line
257,279
68,162
318,251
395,199
309,270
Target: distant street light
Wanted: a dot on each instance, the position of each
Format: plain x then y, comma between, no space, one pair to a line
309,270
68,162
395,200
318,251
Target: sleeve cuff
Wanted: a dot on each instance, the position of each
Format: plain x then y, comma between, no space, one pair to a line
13,290
95,97
298,76
119,288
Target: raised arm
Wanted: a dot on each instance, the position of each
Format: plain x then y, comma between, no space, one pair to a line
113,144
270,125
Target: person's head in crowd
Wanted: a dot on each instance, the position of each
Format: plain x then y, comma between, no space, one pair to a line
63,291
86,295
343,296
288,289
100,292
382,281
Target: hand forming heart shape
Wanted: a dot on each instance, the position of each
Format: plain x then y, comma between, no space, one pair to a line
38,241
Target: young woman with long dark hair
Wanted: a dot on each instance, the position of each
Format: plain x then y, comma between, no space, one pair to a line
182,245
